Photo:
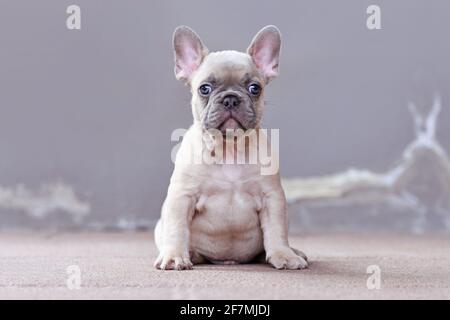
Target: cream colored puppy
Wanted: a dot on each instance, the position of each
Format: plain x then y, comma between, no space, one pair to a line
214,211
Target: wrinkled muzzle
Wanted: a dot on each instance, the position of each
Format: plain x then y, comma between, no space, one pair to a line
229,111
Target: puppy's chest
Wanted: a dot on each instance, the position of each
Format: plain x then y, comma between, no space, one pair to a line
230,198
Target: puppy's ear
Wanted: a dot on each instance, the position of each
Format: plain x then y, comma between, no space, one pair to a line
265,51
189,52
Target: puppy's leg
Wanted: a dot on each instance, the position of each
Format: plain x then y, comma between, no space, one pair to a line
173,232
274,225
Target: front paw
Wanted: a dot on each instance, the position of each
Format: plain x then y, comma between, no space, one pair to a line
286,259
173,261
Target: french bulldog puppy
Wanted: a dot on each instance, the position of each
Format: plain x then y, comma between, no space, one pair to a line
219,212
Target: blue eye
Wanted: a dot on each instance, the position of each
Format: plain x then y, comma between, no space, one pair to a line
205,89
254,89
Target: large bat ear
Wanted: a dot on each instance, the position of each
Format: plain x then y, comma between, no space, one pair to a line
189,52
265,51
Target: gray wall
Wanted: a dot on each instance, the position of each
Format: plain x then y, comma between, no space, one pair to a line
94,109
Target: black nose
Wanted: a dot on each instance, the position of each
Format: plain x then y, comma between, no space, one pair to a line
231,102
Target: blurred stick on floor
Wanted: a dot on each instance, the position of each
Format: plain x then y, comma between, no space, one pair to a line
424,165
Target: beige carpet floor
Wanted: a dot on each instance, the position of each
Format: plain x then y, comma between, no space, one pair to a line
119,266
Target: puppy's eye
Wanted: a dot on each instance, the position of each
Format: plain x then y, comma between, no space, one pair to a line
205,89
254,89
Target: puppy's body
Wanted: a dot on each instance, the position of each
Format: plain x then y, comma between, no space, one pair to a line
223,213
226,201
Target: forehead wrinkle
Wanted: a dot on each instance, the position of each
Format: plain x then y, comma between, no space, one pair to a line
211,79
226,66
249,78
232,76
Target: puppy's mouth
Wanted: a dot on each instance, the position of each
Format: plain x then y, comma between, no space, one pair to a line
230,123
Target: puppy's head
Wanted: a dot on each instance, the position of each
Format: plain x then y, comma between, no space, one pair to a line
227,86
